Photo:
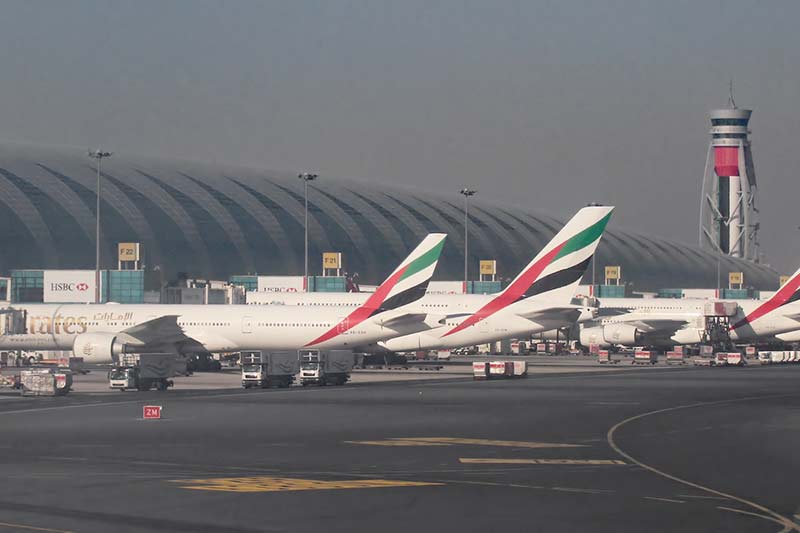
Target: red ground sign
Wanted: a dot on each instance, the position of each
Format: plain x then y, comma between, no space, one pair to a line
151,412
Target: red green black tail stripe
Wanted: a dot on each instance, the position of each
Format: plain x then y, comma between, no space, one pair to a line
524,281
787,294
381,301
363,312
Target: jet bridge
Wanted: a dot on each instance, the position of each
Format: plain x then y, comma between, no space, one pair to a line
717,317
13,321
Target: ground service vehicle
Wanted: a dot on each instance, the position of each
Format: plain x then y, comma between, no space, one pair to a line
142,372
325,367
268,369
735,359
720,359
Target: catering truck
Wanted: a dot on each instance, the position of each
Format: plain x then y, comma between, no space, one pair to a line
268,369
143,372
325,367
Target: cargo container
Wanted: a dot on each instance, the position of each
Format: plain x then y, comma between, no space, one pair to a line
520,369
480,370
605,357
45,382
508,369
497,369
676,358
644,357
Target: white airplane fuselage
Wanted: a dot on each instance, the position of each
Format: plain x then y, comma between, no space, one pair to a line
691,310
445,312
214,328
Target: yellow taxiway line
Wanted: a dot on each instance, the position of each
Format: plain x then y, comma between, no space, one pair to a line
492,461
451,441
285,484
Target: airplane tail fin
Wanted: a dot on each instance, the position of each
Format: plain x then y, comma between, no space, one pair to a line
559,266
406,284
788,293
557,269
409,281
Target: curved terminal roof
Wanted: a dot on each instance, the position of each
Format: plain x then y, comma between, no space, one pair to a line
215,221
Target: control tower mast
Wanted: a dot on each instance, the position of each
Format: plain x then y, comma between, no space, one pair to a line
728,213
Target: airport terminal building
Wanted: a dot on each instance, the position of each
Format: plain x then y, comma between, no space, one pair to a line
217,221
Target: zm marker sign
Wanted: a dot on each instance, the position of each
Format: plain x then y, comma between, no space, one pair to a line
68,286
151,412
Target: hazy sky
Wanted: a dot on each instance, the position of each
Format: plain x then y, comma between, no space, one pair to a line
542,104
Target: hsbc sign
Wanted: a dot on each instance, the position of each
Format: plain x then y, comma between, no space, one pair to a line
68,286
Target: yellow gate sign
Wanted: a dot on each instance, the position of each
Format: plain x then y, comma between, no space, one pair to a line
613,272
331,260
488,267
128,251
735,278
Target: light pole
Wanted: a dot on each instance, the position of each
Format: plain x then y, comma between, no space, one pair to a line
718,219
467,193
306,177
98,155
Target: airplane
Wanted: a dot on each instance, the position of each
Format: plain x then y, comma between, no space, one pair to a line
538,299
666,321
549,281
100,333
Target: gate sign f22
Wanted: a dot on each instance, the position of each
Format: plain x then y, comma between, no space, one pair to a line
68,286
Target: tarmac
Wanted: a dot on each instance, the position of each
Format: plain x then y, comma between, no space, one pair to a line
567,449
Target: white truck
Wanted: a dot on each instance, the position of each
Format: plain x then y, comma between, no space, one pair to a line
325,367
268,369
143,372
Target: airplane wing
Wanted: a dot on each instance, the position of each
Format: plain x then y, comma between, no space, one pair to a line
158,331
658,325
563,314
405,319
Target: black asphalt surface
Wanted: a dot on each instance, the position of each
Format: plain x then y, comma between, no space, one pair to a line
718,452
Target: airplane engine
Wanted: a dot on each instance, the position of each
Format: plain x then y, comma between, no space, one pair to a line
98,347
591,336
560,334
688,336
622,334
552,335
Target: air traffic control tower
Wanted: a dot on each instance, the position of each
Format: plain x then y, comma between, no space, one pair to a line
728,213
